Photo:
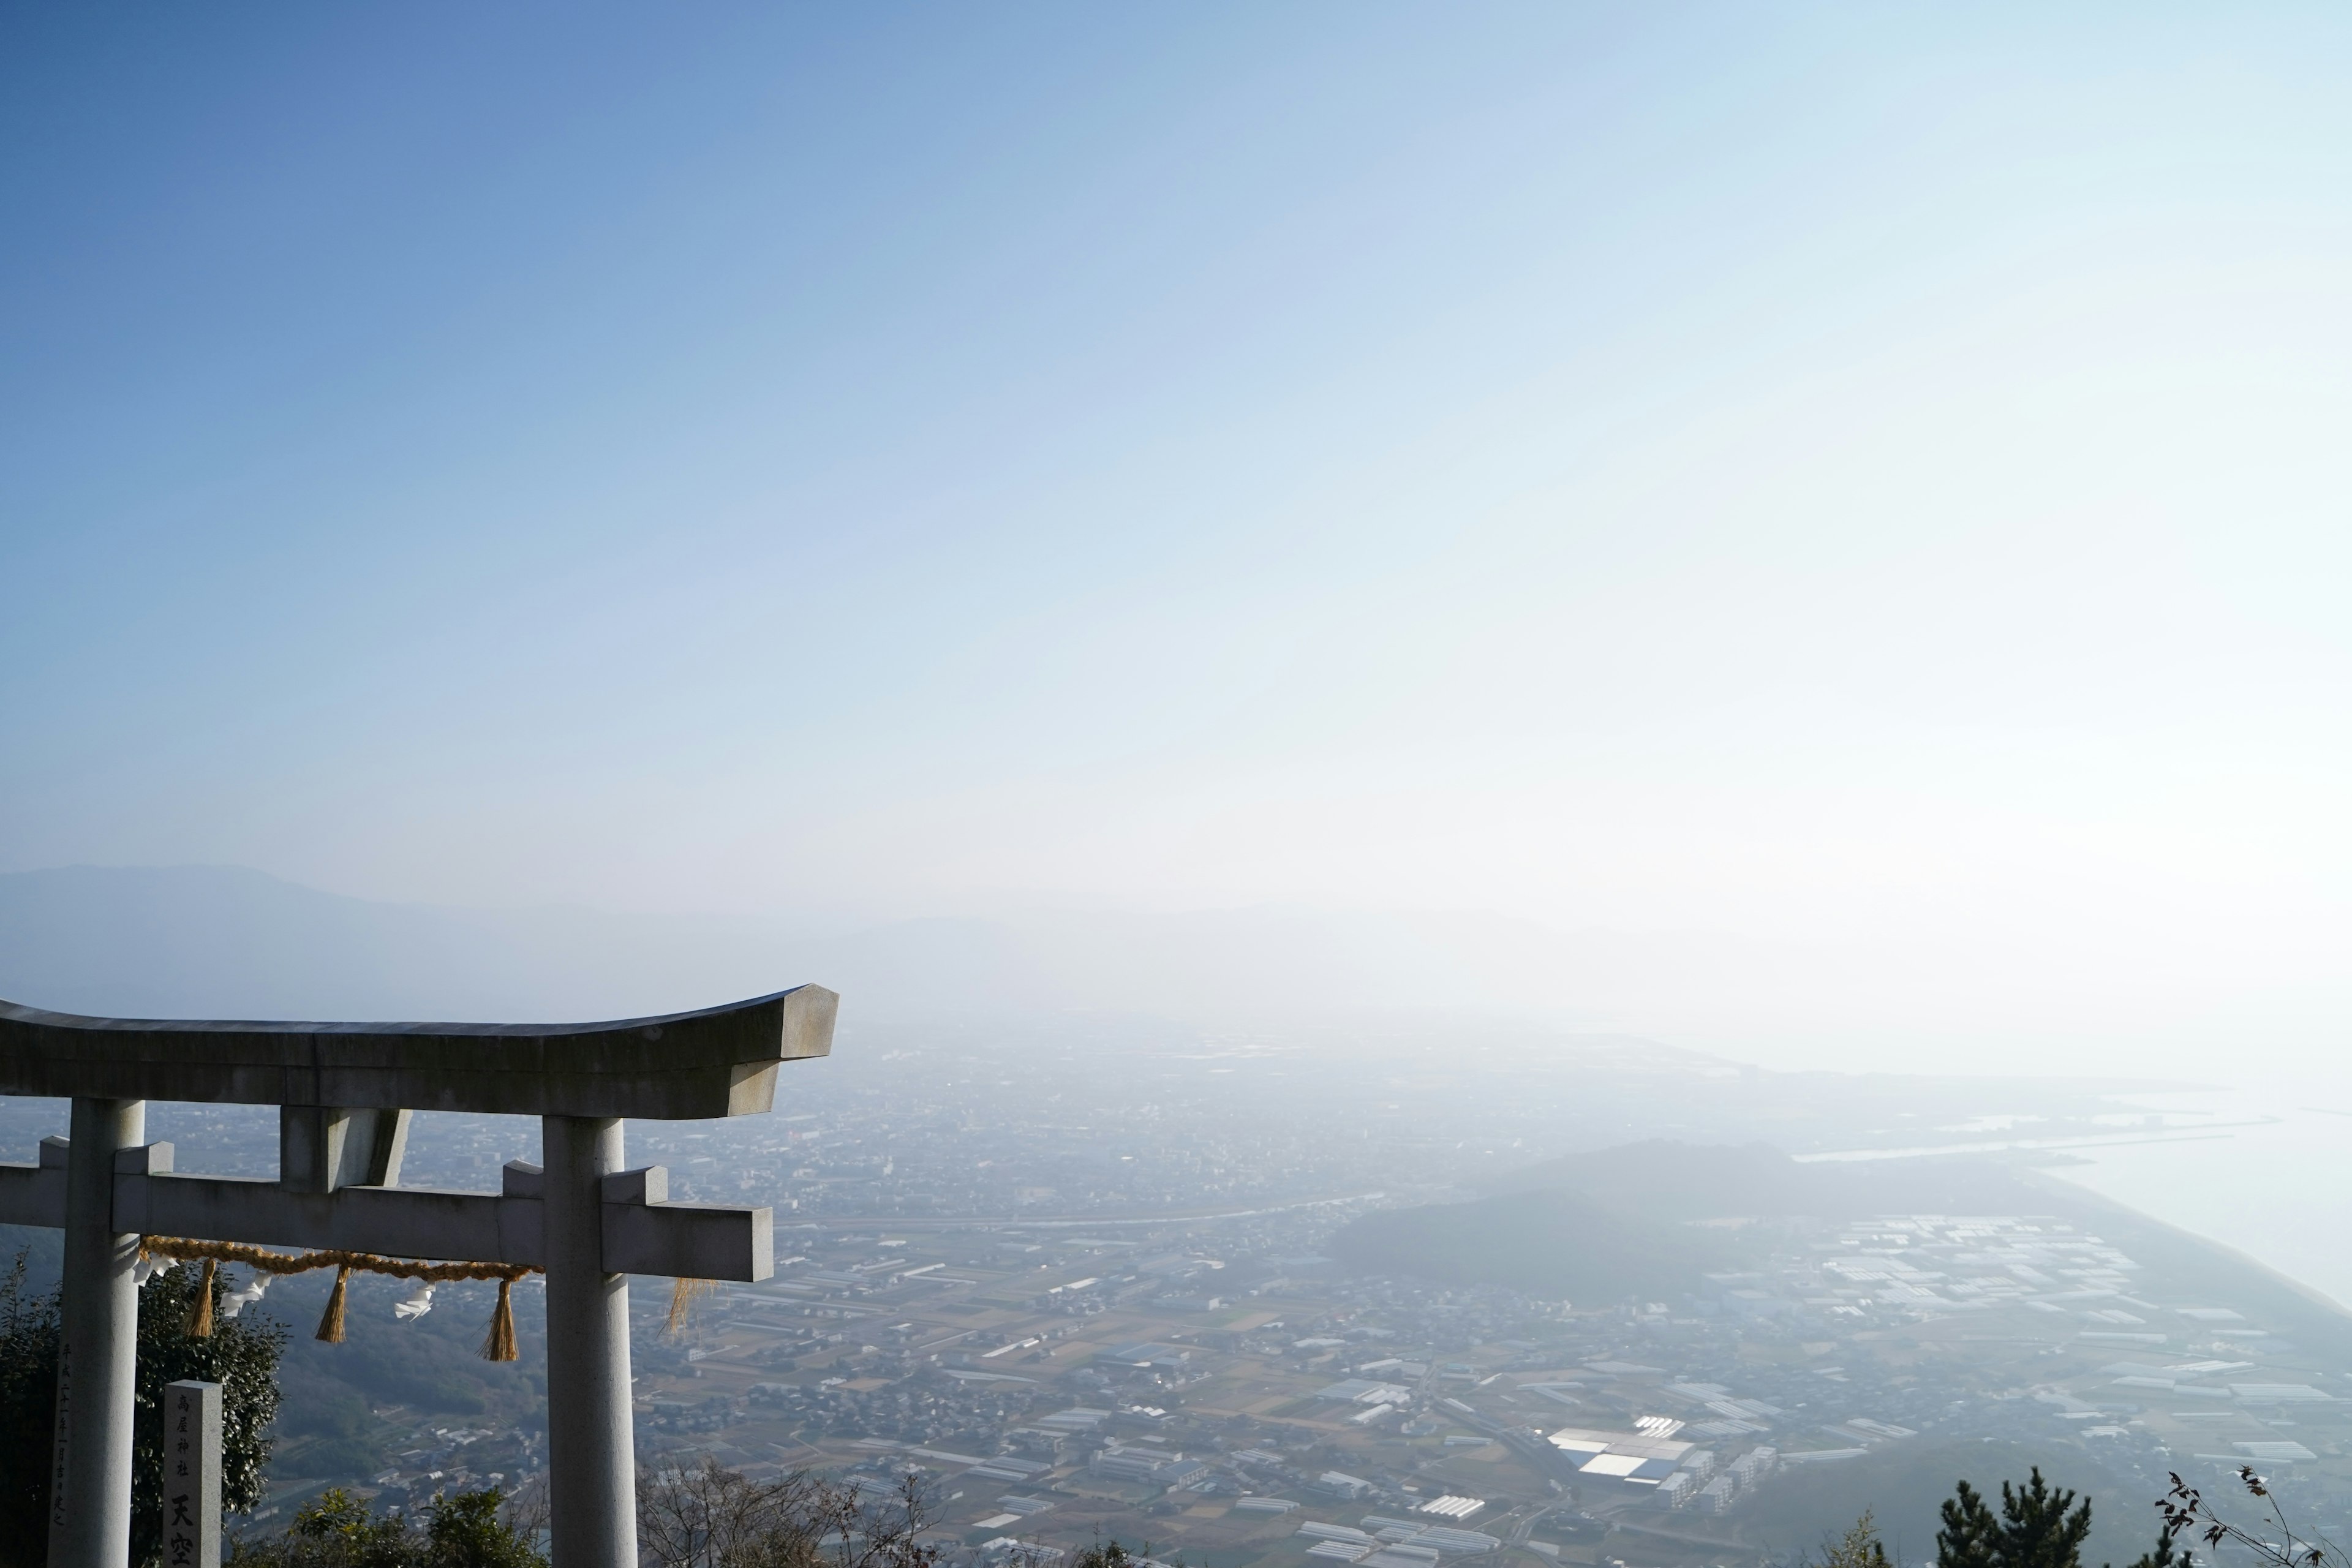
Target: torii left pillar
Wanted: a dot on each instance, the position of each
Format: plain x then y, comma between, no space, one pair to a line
98,1362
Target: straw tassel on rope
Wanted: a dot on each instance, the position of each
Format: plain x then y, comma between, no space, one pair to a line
500,1344
200,1310
330,1326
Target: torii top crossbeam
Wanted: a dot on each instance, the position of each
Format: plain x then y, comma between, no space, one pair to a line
719,1061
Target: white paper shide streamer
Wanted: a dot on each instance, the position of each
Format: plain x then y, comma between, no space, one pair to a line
244,1295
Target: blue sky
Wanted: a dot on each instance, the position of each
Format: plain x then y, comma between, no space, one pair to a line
1869,475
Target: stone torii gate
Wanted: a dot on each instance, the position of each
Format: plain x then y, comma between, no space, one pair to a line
345,1093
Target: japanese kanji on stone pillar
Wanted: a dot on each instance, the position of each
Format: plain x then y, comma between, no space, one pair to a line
191,1475
344,1093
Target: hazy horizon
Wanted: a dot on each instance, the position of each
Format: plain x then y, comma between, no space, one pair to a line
2247,1153
235,941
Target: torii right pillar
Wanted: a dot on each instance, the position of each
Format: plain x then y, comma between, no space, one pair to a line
591,1459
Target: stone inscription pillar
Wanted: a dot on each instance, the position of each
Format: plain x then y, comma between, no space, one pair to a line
89,1479
191,1475
592,1461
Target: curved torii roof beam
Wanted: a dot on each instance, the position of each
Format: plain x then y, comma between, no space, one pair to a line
717,1061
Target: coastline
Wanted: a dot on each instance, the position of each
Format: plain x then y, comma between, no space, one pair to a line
2125,1215
2273,1192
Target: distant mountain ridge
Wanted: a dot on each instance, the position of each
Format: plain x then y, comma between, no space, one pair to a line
1630,1220
232,942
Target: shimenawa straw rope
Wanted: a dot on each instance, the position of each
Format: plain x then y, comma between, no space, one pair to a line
499,1346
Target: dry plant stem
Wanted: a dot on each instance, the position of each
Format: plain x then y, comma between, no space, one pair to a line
701,1516
683,1295
2186,1512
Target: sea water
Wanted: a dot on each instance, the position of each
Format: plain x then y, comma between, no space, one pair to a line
2272,1178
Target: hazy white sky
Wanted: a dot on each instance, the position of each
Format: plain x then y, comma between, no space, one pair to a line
1868,479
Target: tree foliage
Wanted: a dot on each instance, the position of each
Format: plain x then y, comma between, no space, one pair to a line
1111,1555
1859,1547
28,1401
2038,1526
241,1355
339,1530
